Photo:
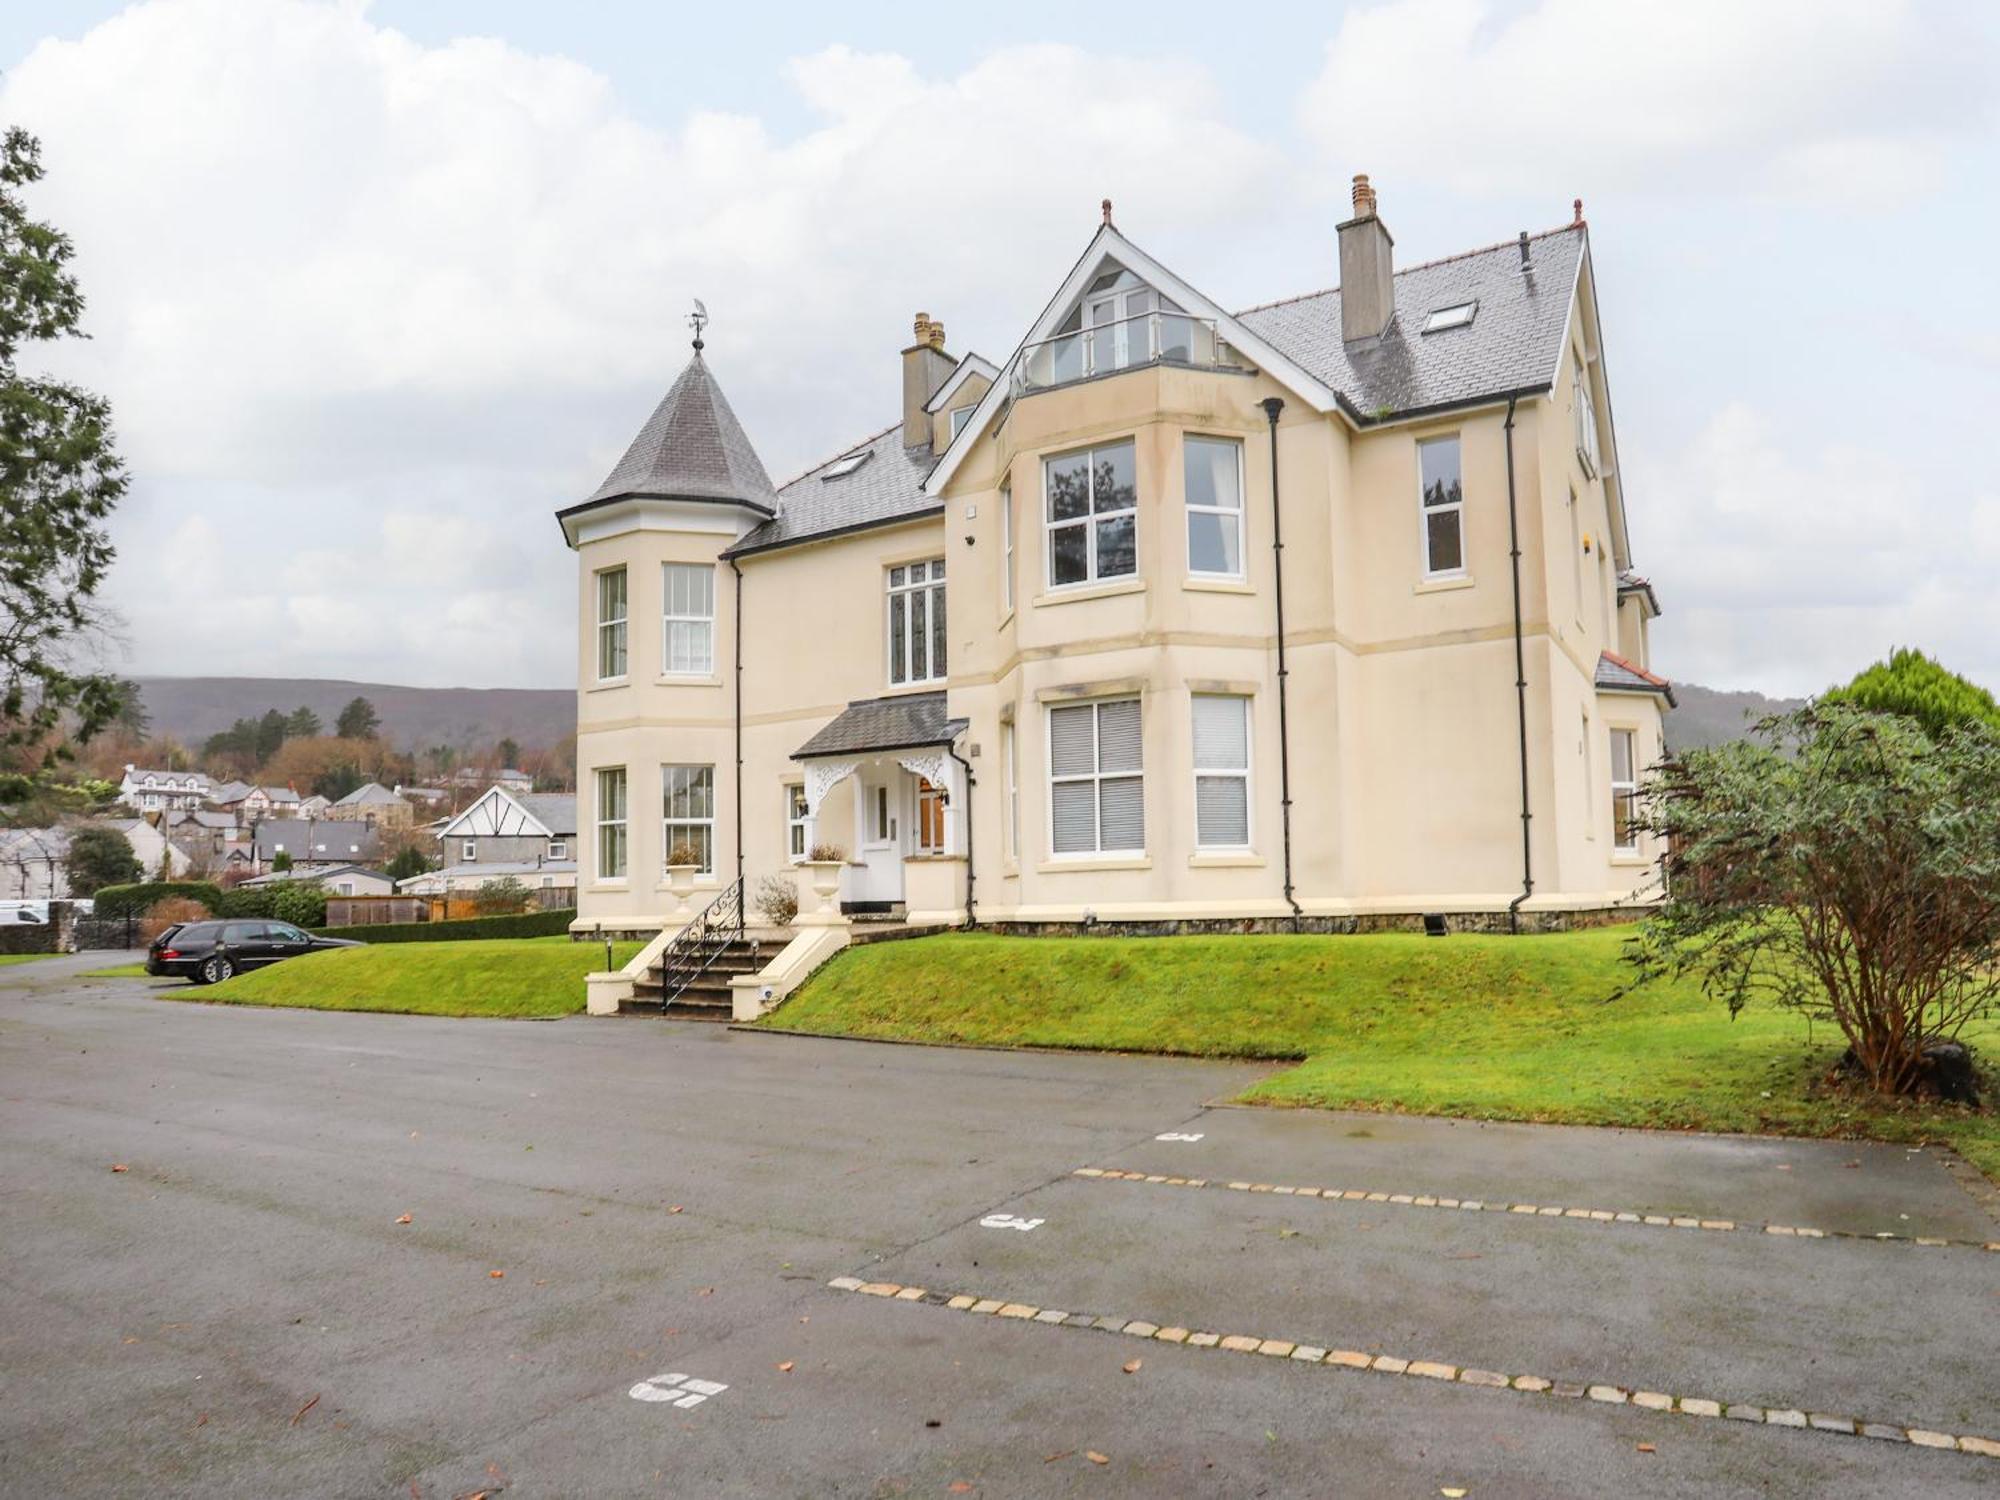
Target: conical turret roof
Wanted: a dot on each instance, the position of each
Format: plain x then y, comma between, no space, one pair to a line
691,448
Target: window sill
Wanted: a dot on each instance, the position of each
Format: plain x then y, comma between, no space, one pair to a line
606,684
610,883
1444,584
1202,584
688,679
1066,862
1071,593
1226,859
1006,618
920,685
1630,858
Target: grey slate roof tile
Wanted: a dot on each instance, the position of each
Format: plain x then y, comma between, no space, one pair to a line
1617,675
902,722
555,811
1511,344
691,448
889,486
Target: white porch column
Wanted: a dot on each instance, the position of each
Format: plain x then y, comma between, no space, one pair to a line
940,770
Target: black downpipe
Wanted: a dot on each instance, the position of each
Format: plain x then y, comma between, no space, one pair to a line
971,904
1272,406
738,715
1520,682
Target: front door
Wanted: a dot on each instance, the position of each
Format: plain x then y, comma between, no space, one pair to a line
878,883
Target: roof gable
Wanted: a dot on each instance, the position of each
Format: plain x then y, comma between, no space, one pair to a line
497,814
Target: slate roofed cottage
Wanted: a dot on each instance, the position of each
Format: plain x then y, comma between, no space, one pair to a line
1032,650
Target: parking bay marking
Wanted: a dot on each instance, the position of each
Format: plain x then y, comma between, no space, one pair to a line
1178,1135
683,1390
1010,1221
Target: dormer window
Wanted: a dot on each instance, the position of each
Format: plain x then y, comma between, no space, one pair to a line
1458,315
840,468
1118,322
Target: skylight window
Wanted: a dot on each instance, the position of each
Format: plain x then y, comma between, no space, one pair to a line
840,468
1456,316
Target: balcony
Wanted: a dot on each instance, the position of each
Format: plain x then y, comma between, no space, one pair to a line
1147,338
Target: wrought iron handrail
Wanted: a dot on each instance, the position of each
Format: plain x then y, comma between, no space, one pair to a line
698,945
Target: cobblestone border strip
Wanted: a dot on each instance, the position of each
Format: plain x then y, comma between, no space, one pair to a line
1426,1369
1536,1210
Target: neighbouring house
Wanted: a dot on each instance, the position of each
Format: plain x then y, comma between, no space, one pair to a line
508,779
337,880
530,836
374,804
210,840
163,791
312,845
34,861
314,806
1033,650
250,803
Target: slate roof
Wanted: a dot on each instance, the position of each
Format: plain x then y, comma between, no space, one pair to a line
369,793
889,486
315,840
898,723
1511,344
1632,583
315,877
555,811
691,448
1617,675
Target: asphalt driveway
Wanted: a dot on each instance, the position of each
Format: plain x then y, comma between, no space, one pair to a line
728,1265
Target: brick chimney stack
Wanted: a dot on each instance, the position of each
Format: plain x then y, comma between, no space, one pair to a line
925,367
1367,269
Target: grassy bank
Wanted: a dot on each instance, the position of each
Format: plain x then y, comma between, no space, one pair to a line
509,978
1489,1028
21,958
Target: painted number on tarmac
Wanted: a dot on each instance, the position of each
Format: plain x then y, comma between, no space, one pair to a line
1178,1135
1008,1221
682,1390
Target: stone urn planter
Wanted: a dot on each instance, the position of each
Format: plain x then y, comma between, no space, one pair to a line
823,875
680,880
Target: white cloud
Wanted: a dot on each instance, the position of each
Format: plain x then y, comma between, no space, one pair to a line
1789,575
1841,99
351,291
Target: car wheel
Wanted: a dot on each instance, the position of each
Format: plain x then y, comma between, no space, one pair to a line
216,969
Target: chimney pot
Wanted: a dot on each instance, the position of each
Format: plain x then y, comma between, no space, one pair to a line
925,367
1107,210
1364,197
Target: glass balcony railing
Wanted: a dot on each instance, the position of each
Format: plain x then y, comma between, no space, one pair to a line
1147,338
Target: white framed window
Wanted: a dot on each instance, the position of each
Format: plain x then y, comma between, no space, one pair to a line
1624,791
558,849
468,850
961,416
1441,499
1011,754
916,622
795,821
1091,512
1586,415
611,616
1007,546
688,812
1213,471
611,832
1221,727
1097,786
687,591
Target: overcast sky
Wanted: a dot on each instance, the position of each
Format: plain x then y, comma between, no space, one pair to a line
374,289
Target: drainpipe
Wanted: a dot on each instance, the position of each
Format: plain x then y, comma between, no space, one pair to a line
1520,682
971,906
743,895
1272,406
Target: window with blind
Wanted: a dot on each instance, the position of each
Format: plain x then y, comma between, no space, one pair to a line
688,812
1624,792
611,623
1221,771
1092,515
916,622
611,823
1097,790
688,592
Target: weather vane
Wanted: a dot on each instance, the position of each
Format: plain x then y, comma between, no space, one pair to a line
698,320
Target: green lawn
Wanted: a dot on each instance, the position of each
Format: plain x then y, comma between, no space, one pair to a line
1483,1027
117,971
517,977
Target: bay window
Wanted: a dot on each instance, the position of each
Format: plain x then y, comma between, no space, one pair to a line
1097,792
1624,792
1213,470
1091,514
688,813
611,610
1221,771
688,594
611,823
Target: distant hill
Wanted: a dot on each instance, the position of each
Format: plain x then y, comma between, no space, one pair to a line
1709,716
413,718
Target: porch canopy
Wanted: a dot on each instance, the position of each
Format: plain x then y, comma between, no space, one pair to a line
910,730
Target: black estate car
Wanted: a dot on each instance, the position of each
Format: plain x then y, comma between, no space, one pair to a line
210,952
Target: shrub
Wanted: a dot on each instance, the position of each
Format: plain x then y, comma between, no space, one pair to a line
1911,684
169,913
501,897
256,901
300,902
98,857
1845,864
133,900
777,900
530,925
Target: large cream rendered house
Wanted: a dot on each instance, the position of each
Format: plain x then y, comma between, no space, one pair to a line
1320,611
